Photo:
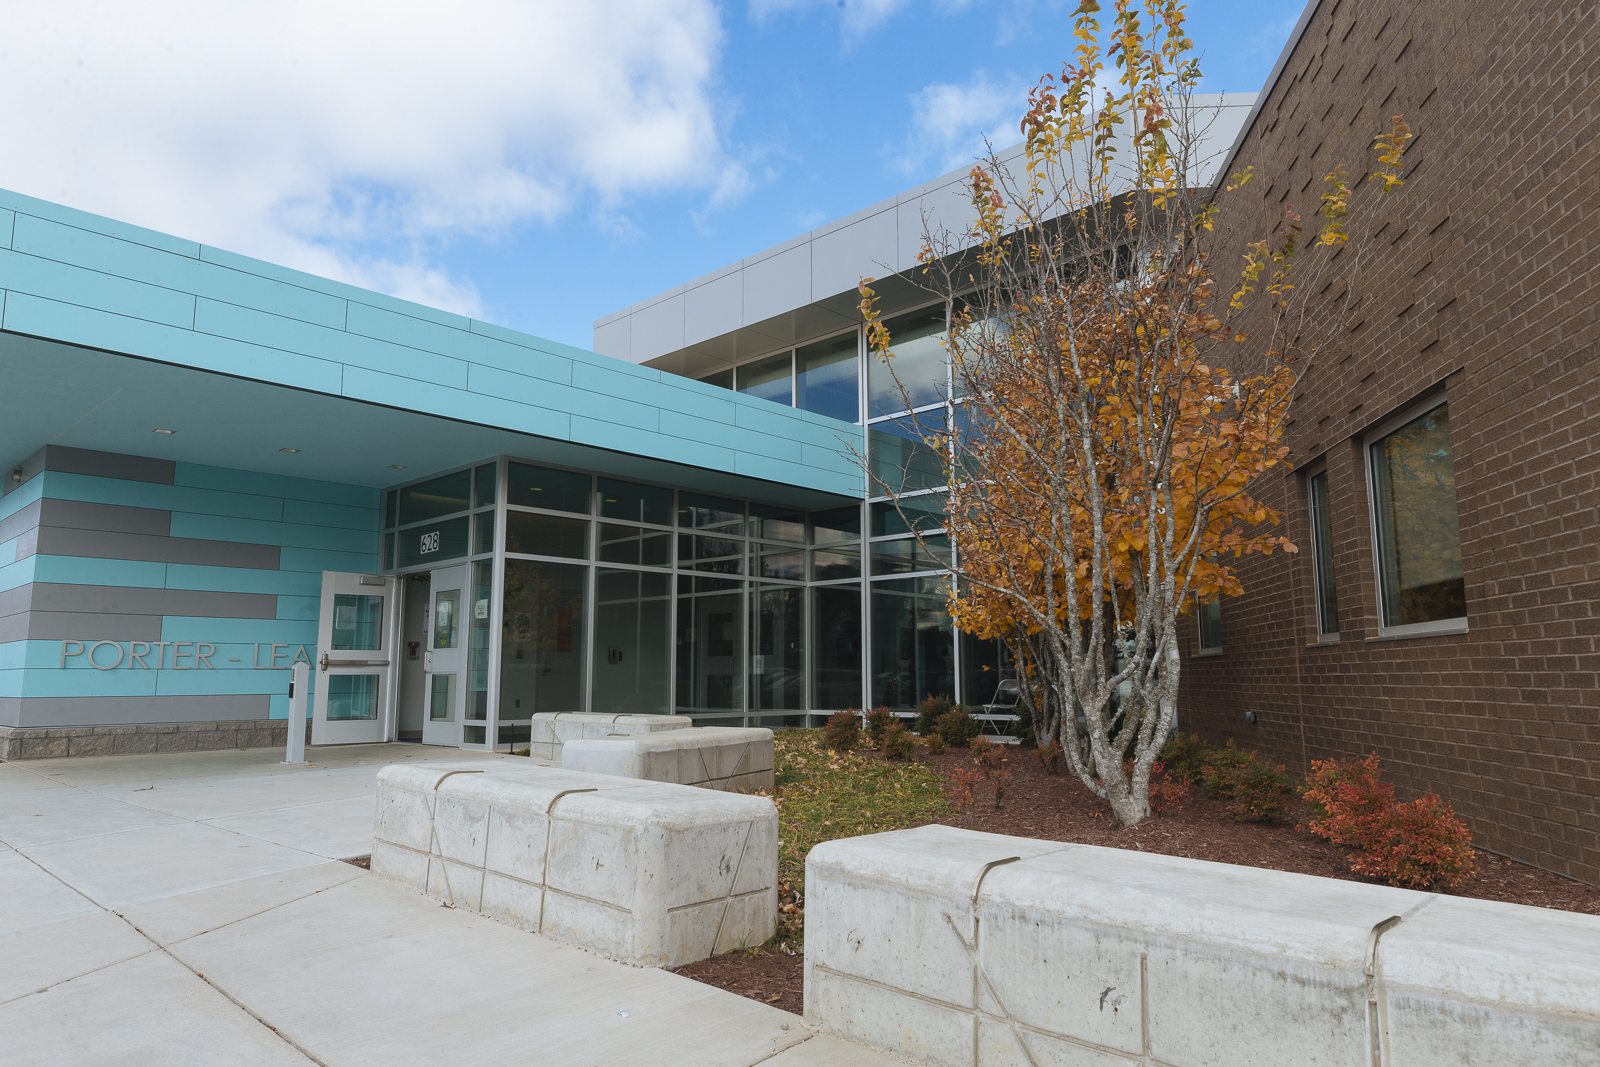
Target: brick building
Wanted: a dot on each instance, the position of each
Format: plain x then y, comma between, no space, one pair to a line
1458,353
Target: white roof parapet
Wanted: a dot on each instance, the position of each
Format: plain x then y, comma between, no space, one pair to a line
806,286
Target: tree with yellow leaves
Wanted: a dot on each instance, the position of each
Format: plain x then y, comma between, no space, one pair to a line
1100,457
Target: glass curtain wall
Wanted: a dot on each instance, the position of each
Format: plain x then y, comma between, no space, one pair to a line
823,377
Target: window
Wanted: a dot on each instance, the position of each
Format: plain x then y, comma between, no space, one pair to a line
917,372
1210,618
1322,556
770,379
1416,531
827,378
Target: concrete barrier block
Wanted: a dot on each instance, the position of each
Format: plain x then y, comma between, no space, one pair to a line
729,758
649,873
551,730
1476,981
951,947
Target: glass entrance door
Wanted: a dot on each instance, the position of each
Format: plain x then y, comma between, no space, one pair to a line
355,669
445,660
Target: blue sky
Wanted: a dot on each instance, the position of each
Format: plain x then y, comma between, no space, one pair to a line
534,164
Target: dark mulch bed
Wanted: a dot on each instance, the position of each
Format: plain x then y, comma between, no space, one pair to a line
364,862
763,974
1058,808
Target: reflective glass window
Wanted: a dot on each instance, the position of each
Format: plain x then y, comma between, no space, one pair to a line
836,525
1210,622
779,561
905,454
352,697
717,555
710,513
542,487
907,556
478,621
777,648
531,534
482,533
722,379
1419,535
709,635
1322,555
630,544
633,651
483,480
828,564
913,647
441,496
777,524
635,503
770,379
433,543
836,647
916,374
391,507
827,378
356,622
542,638
919,513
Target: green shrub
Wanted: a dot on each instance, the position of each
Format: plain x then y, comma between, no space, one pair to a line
843,730
957,726
1259,790
1219,766
898,743
1184,757
878,720
929,713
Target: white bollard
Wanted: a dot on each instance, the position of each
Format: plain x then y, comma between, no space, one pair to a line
299,692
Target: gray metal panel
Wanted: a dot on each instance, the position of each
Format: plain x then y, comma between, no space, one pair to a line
15,628
840,259
130,600
777,284
27,543
90,626
109,465
95,544
10,711
657,329
16,601
714,308
113,518
615,338
26,519
116,711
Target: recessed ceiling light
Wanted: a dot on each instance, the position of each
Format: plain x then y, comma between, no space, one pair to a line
397,466
288,450
169,433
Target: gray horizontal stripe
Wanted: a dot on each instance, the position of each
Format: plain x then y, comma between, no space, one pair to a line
97,544
114,518
109,465
13,601
14,524
116,711
130,600
87,626
15,628
27,543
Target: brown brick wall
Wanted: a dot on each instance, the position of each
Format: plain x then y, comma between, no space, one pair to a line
1477,278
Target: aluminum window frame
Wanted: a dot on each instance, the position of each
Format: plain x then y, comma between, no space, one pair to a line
1436,627
1312,472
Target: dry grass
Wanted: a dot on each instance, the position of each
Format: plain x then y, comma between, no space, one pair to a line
822,795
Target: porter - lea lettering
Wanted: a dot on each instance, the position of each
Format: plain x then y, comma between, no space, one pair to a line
185,655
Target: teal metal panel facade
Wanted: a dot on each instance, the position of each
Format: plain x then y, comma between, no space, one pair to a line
81,279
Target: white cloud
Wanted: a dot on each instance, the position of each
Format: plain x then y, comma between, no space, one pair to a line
343,137
856,17
949,123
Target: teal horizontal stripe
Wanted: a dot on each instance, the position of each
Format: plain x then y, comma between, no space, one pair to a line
258,532
278,485
238,631
94,490
300,608
18,573
85,570
318,560
21,497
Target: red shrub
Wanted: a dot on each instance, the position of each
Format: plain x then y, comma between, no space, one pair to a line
1050,757
1167,793
878,720
843,730
1417,845
898,743
1345,801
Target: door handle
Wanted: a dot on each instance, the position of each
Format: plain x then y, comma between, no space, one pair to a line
326,662
427,661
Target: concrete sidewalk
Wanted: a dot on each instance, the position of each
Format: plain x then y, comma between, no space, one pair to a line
188,909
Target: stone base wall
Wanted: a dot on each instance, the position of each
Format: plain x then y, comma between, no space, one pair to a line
51,742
